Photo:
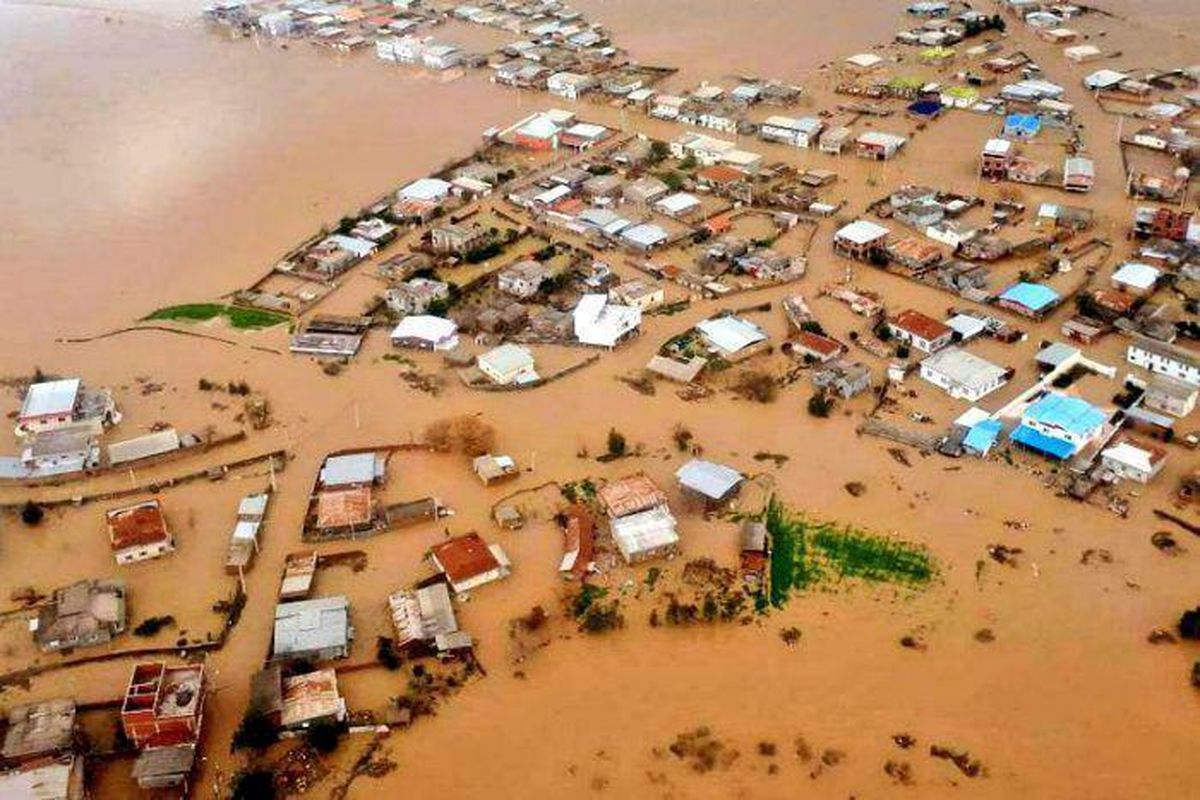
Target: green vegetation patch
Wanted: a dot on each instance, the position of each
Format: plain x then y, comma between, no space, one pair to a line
244,318
806,552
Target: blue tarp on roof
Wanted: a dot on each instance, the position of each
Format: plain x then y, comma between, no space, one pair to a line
1072,414
1058,448
925,108
1033,296
1022,126
982,436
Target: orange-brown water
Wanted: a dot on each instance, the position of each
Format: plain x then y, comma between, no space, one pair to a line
148,161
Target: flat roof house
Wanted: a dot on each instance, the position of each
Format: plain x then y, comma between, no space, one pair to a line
524,278
920,330
1136,278
51,405
163,706
312,630
139,532
59,778
801,132
508,364
38,730
860,239
963,375
243,543
83,614
493,469
468,562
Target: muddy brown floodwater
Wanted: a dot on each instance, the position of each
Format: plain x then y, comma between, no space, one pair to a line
148,161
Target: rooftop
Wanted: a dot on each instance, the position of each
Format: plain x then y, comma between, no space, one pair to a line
136,525
51,398
304,626
465,557
710,479
629,495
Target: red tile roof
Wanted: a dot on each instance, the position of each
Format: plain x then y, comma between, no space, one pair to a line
920,325
136,525
465,557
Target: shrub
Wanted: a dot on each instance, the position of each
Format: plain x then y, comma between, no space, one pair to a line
152,625
324,736
256,784
820,404
756,385
903,351
682,437
466,434
617,445
385,653
812,326
1189,624
32,514
255,732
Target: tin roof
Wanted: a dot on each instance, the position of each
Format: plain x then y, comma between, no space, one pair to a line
51,397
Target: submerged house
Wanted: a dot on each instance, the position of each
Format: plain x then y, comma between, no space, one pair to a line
714,483
468,562
312,630
83,614
51,405
963,375
642,525
139,532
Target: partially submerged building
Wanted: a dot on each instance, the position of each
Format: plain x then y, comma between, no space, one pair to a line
243,542
468,562
715,484
51,405
162,715
424,618
640,521
139,532
312,630
963,375
83,614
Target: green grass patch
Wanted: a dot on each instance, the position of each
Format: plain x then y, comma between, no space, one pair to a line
806,552
238,317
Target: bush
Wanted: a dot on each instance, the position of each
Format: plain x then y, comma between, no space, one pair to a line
682,437
617,445
385,653
324,737
1189,624
255,732
466,434
903,351
756,385
256,784
152,625
820,404
812,326
32,514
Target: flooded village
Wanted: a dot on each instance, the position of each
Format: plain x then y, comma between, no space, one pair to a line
537,399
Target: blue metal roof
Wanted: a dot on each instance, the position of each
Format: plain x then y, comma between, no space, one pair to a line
925,108
1064,411
1033,296
982,436
1058,448
1022,124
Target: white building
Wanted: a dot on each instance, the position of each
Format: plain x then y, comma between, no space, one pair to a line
1164,359
645,534
603,324
732,337
425,332
680,204
570,85
1129,458
508,364
802,132
705,149
963,375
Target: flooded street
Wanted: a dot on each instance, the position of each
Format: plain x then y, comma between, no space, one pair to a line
149,160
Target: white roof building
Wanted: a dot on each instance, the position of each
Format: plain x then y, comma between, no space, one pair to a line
603,324
861,232
729,335
422,330
678,204
707,478
51,398
646,534
645,236
963,375
508,363
1136,276
430,190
